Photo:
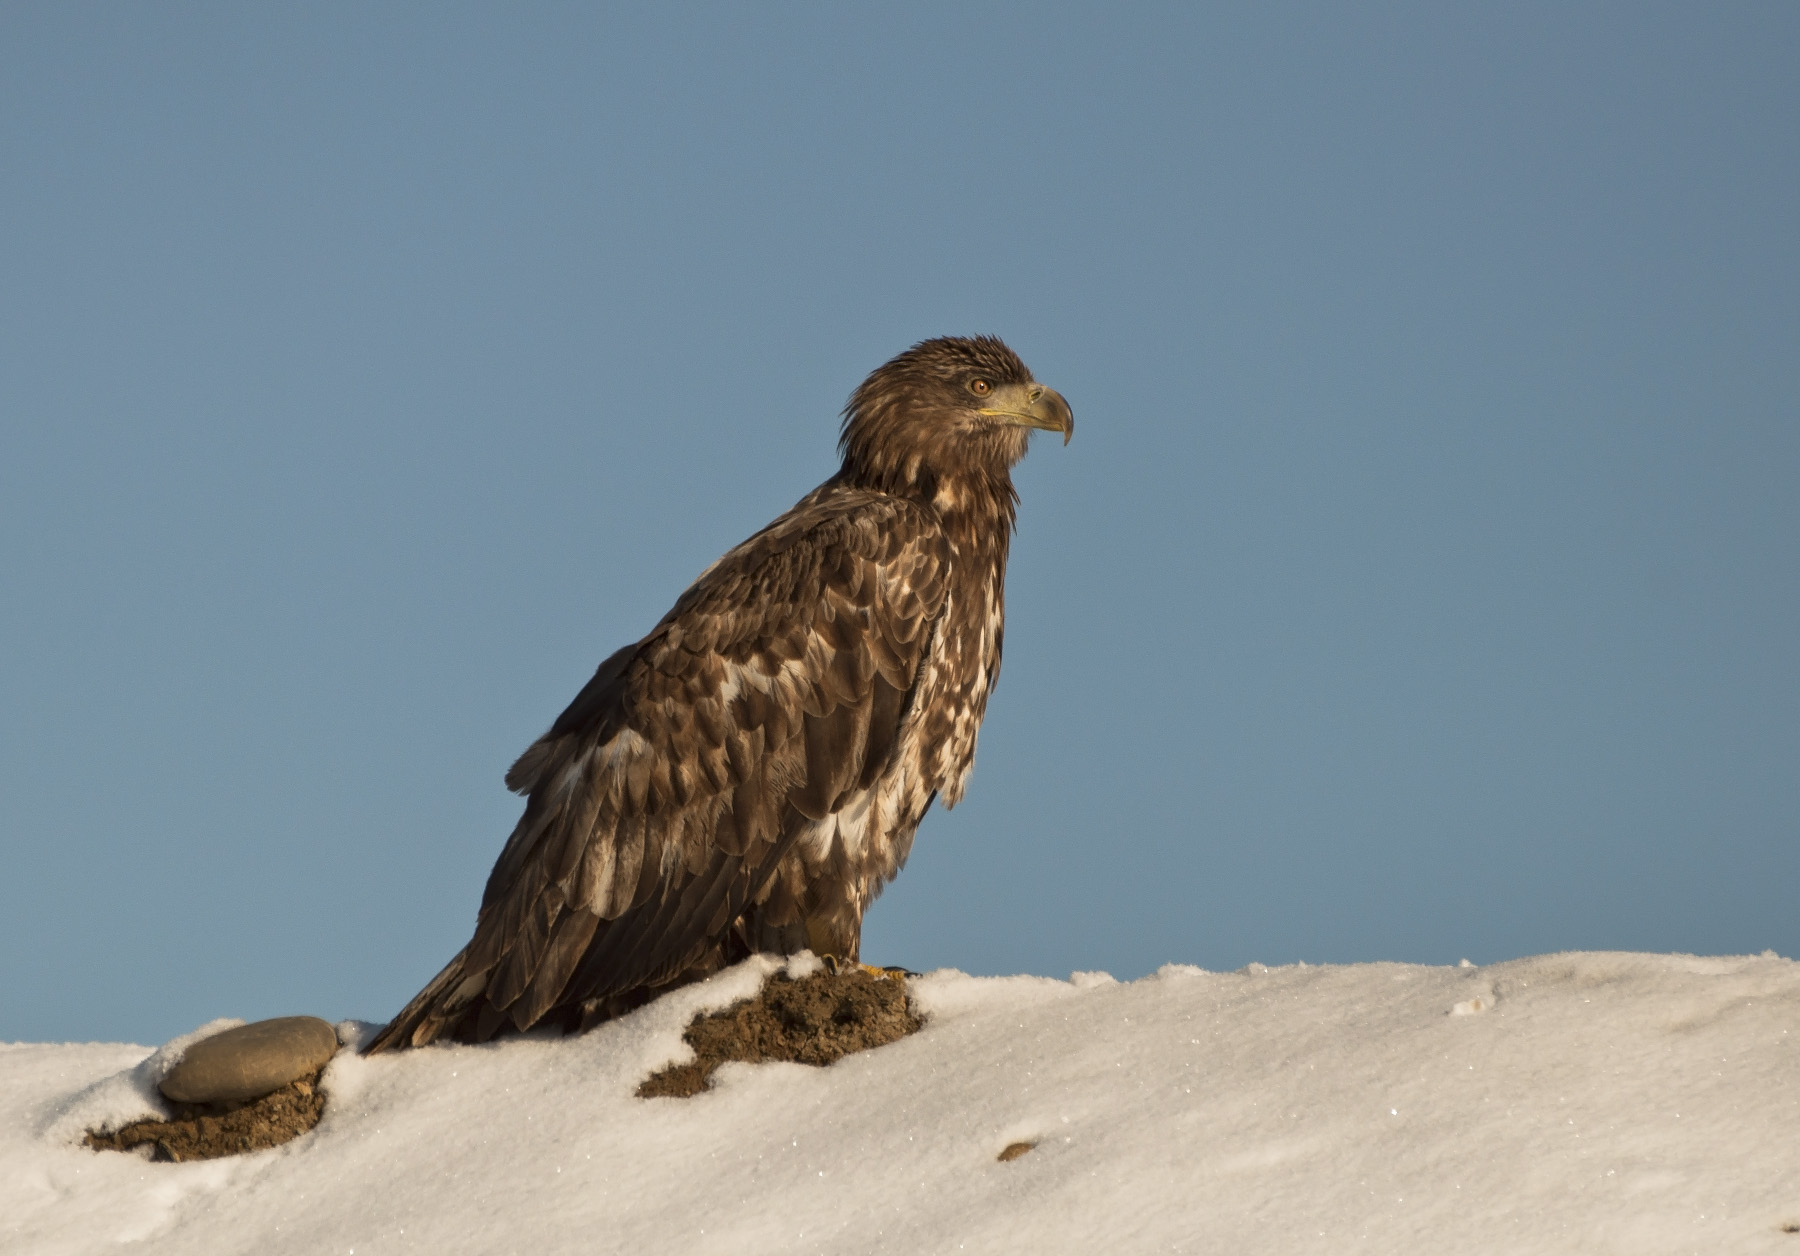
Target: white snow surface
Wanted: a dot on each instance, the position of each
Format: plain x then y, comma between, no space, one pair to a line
1590,1102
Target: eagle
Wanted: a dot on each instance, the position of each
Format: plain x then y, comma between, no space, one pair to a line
748,776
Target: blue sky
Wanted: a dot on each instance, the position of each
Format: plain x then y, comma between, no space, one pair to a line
1421,582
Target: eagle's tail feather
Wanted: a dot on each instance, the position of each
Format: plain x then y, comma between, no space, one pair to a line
433,1010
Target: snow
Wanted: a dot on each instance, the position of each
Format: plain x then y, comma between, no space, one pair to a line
1591,1102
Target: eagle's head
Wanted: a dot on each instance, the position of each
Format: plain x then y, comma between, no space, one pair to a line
946,408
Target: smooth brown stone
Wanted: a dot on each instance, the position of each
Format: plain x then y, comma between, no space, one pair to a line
251,1061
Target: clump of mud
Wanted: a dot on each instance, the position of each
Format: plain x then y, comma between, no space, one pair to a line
813,1020
206,1131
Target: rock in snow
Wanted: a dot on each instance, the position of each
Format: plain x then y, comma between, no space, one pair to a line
1599,1103
250,1061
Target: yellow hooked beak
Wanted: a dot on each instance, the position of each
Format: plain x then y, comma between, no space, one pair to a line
1031,405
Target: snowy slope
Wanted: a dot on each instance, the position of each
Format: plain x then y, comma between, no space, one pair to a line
1569,1103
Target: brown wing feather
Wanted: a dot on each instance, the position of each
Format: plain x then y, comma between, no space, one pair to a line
662,800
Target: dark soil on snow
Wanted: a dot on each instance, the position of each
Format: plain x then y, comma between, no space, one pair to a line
816,1020
812,1020
206,1131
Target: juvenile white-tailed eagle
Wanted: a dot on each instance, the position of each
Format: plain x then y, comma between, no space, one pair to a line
749,775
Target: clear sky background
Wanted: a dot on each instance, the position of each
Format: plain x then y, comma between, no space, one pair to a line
1423,580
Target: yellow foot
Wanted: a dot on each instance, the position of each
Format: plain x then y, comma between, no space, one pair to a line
837,967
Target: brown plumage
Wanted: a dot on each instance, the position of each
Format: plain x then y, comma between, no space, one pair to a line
750,774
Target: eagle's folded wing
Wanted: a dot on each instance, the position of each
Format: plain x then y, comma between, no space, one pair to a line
662,800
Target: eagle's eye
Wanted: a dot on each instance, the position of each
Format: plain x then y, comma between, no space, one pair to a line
980,387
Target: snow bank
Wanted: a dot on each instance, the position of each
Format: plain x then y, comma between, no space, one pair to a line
1568,1103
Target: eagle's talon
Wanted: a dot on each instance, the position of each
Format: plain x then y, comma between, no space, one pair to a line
838,967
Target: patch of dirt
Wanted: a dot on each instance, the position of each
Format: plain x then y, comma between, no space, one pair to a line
206,1131
814,1020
